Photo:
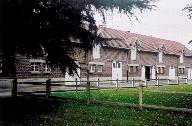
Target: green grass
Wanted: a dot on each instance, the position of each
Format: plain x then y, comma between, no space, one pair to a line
131,96
26,111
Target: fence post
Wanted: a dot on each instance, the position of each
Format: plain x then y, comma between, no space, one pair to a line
158,81
141,96
48,88
178,80
146,82
133,82
186,81
98,83
76,84
88,92
14,88
117,84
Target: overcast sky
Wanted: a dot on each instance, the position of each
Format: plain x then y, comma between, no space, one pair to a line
167,21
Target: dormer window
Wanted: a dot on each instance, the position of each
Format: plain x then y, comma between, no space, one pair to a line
96,52
160,56
181,58
133,54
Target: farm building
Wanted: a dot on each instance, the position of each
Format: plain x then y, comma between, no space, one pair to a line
127,56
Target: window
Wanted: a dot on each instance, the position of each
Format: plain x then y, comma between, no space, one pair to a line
133,54
99,68
46,68
35,67
93,68
96,52
114,65
181,58
160,70
1,65
181,70
133,69
118,65
160,57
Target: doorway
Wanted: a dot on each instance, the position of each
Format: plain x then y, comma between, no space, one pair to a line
147,72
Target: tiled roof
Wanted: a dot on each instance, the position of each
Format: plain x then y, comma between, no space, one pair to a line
124,39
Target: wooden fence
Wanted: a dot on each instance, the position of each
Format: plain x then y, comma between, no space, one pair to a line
98,84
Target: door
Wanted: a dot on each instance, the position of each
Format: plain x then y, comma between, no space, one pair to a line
116,70
143,73
172,72
153,73
189,73
72,78
147,72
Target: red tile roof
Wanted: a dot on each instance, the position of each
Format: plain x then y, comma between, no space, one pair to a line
124,39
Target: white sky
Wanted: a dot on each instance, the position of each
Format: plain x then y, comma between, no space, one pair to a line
167,21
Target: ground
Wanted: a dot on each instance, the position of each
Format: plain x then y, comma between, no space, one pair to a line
38,111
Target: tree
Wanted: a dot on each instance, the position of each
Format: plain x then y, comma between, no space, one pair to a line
189,9
43,28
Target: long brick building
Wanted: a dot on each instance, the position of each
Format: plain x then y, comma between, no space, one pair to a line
128,55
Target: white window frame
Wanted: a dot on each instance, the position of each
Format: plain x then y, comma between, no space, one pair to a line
160,70
181,58
101,68
133,54
33,70
92,68
96,51
46,68
160,56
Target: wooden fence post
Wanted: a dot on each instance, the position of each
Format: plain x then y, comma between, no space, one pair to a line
133,83
168,82
98,83
146,82
178,80
141,96
117,84
186,81
48,88
14,88
76,84
88,92
158,81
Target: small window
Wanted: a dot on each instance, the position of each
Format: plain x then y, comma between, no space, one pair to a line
181,70
99,68
35,67
118,65
160,57
46,68
133,54
181,58
114,65
1,65
160,70
133,69
96,52
93,68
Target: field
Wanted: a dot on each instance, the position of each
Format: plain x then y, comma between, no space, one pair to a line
170,96
60,110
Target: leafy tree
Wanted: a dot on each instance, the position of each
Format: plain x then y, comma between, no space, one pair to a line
189,9
43,28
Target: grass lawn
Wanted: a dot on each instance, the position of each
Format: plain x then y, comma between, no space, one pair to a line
27,111
131,96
